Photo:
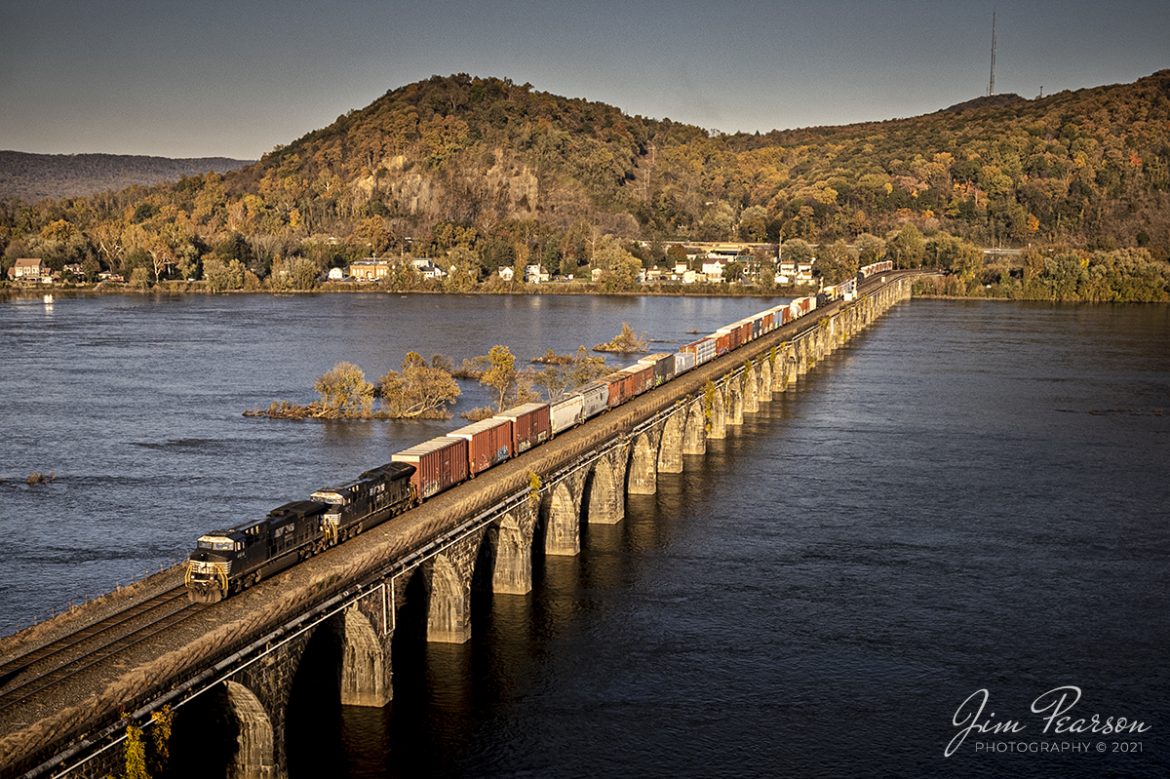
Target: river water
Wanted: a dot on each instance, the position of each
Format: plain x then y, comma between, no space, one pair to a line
971,495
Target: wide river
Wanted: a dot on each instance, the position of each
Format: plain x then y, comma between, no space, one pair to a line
970,496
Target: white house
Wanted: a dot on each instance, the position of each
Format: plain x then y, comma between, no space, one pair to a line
427,268
713,270
506,273
336,274
536,274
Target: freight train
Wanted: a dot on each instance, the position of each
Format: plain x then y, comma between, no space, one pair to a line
227,561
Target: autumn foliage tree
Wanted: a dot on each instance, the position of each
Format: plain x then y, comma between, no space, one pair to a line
345,392
418,390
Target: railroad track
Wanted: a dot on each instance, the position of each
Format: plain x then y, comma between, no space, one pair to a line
22,678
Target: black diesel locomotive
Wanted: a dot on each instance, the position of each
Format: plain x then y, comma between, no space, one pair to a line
227,561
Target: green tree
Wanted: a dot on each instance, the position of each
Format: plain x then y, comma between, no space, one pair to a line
619,268
796,250
222,276
296,273
906,247
870,249
344,391
837,262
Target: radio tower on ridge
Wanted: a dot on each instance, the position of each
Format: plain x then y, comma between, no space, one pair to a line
991,81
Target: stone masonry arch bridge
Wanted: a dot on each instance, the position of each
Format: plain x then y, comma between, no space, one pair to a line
237,663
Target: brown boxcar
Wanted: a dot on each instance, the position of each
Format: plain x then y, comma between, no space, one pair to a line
616,382
439,463
531,425
640,378
489,441
785,315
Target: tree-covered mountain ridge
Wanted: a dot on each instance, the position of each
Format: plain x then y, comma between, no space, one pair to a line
31,177
510,173
1091,167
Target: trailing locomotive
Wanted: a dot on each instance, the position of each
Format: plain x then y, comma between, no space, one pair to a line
227,561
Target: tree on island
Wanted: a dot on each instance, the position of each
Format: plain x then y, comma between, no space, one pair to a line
418,390
345,392
626,342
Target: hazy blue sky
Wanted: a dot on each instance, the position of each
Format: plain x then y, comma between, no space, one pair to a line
208,77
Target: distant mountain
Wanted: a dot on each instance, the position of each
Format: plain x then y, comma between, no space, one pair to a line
32,177
505,169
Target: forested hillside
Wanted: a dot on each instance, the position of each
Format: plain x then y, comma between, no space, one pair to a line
32,177
507,173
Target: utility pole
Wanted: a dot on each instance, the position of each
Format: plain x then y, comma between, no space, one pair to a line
991,81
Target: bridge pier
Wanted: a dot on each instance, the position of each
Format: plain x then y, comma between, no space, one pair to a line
643,473
607,505
695,432
751,401
562,518
764,385
717,427
365,663
512,572
670,448
733,387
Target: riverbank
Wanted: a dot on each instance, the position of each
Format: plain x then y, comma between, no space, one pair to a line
177,289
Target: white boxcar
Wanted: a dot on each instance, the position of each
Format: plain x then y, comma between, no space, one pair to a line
683,362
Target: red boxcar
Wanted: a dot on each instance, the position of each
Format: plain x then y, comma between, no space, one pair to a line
745,333
439,463
785,315
531,425
722,341
488,442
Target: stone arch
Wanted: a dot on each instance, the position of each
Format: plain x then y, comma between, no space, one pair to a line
734,390
512,572
643,476
718,427
365,677
606,506
448,609
670,448
255,756
751,403
695,432
562,523
764,385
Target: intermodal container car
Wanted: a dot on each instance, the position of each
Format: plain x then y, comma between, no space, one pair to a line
531,425
439,463
703,349
489,441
